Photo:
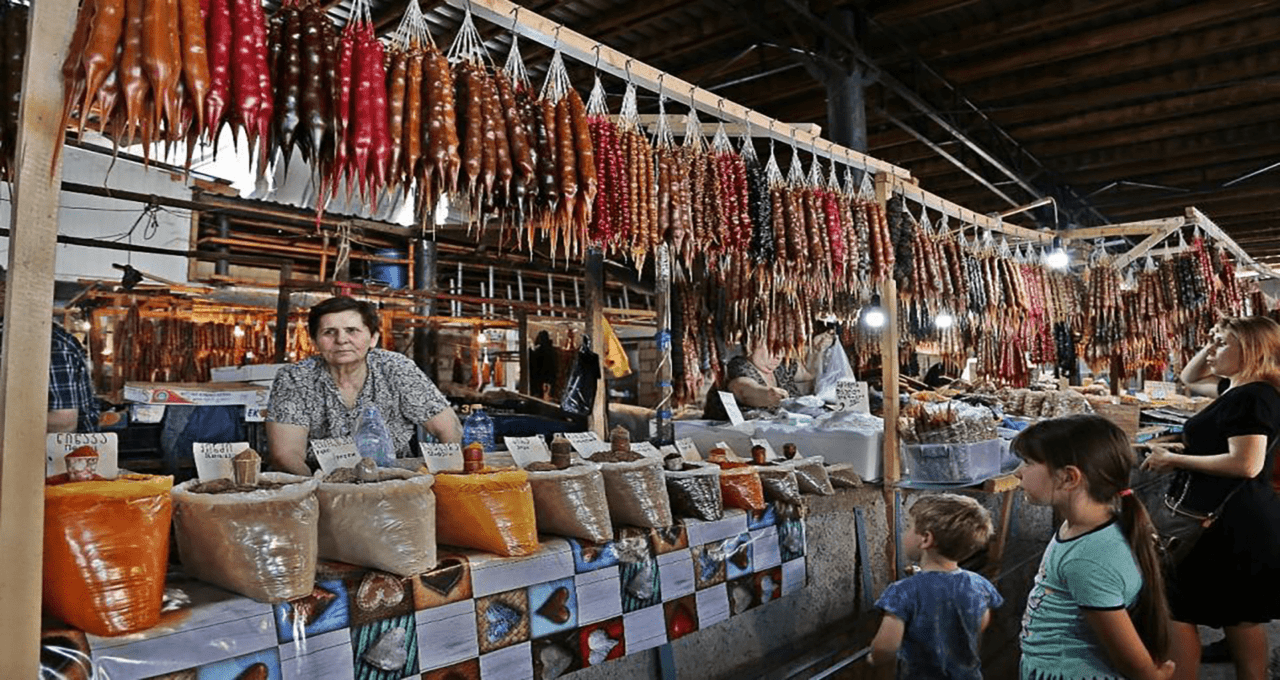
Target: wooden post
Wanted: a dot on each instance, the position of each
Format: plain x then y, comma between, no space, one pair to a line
665,429
523,343
426,264
28,305
599,421
284,305
889,383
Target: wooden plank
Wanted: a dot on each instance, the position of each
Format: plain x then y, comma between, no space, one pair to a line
1127,229
1199,218
966,216
284,304
588,51
662,275
1147,244
28,305
650,122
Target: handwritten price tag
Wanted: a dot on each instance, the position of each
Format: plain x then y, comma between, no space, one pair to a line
526,450
586,443
59,444
213,460
769,453
334,454
729,452
1161,390
731,408
852,395
646,449
688,450
441,457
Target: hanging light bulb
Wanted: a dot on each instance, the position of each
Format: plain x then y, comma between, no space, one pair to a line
944,320
1057,258
238,331
873,316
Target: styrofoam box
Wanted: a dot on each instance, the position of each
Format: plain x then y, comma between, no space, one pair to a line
249,373
859,448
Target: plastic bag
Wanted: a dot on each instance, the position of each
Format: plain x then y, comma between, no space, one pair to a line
261,544
490,511
572,502
843,475
740,486
637,493
779,483
584,376
695,491
388,525
812,475
106,549
835,367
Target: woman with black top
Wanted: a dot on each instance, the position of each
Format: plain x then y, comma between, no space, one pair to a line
1231,577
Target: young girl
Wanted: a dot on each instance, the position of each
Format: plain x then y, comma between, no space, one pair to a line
1097,608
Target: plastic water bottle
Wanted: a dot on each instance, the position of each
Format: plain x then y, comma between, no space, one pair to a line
373,440
478,427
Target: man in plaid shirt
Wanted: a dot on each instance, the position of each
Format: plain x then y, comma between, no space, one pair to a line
72,404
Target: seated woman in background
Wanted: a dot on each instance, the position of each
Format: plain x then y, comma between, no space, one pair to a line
759,379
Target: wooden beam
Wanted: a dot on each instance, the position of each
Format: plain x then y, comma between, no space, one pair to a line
1108,38
1007,28
964,215
1189,125
28,305
1085,173
1149,242
599,418
1200,219
613,62
1127,229
914,10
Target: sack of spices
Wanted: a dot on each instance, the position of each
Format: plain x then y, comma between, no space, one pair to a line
812,475
740,486
490,510
106,550
572,502
387,522
637,493
843,475
260,543
779,483
694,491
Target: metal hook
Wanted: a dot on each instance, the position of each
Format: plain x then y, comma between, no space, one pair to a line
627,67
597,49
555,42
692,103
661,91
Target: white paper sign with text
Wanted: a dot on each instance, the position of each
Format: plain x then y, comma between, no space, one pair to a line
213,460
335,454
441,457
586,443
646,449
731,408
1161,390
688,450
526,450
769,453
852,395
59,444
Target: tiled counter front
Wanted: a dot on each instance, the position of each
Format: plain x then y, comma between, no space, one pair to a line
569,606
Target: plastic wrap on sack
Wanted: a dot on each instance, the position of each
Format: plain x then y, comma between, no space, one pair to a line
695,491
491,510
842,475
779,483
106,550
812,475
388,525
261,544
740,486
637,493
572,502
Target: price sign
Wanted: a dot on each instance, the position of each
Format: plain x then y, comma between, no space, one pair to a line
59,444
213,460
769,453
526,450
688,450
668,450
586,443
146,413
1161,390
729,452
852,395
336,453
731,408
441,457
646,449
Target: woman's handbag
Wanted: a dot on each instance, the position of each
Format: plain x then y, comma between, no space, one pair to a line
1178,528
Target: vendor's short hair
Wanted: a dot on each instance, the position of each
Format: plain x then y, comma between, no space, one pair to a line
368,313
959,524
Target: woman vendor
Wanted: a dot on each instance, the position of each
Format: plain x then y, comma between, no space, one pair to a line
760,379
321,397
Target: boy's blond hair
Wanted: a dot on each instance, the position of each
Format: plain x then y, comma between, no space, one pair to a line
959,524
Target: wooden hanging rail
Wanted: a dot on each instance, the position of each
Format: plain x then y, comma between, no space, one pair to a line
968,217
533,26
1194,216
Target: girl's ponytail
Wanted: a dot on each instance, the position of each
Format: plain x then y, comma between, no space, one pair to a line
1151,612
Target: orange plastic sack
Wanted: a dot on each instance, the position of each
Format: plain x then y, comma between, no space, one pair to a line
106,549
740,486
490,510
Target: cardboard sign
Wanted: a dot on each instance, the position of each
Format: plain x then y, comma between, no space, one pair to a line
852,395
59,444
334,454
441,457
1161,390
731,408
688,450
585,443
213,461
668,450
646,449
526,450
769,453
256,412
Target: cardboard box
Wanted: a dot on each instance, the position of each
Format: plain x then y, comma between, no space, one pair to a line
196,394
249,373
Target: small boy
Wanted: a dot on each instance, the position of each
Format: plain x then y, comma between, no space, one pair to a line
932,620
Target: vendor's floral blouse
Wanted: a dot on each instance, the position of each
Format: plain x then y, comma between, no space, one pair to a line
305,394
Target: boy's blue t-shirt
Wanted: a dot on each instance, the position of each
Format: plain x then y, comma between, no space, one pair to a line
942,612
1095,570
